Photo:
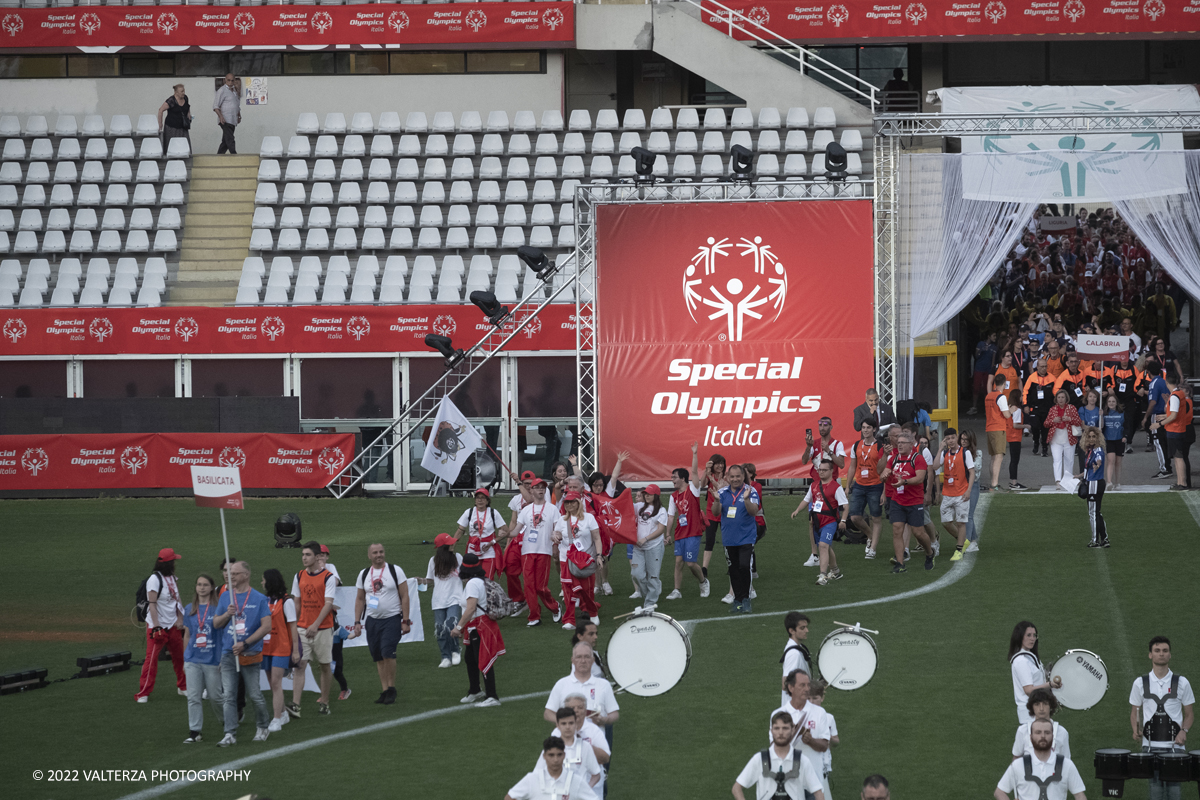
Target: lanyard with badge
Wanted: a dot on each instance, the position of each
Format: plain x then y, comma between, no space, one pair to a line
239,614
201,626
376,587
951,465
531,535
732,512
898,467
862,458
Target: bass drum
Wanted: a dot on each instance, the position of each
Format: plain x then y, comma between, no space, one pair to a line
648,654
847,659
1084,679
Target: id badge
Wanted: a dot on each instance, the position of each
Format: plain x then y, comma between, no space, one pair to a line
817,505
201,640
1078,392
239,626
1041,395
372,602
531,536
900,489
682,520
865,473
949,480
1122,388
732,513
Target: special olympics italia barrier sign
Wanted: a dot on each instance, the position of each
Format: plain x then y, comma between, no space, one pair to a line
737,325
164,460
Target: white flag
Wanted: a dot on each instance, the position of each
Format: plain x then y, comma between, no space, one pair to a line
452,440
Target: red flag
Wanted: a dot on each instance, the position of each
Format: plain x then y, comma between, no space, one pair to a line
616,517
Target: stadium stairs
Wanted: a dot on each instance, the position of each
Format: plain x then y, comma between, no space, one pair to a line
216,231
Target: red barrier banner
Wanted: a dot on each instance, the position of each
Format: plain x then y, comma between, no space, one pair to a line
863,19
164,460
755,321
277,26
264,329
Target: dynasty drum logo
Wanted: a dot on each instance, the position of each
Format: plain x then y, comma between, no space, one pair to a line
737,289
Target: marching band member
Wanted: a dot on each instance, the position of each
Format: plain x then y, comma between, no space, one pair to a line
795,653
1044,775
1168,707
1043,705
1028,673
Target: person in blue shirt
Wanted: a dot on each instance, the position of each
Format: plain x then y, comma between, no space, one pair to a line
1091,486
740,504
202,656
245,616
1156,404
1114,439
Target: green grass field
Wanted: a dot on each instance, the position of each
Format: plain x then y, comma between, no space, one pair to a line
937,719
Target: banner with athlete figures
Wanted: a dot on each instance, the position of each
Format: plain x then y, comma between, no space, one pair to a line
736,325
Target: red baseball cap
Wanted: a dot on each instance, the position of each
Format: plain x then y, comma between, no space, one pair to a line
443,539
569,496
652,489
528,475
537,482
483,492
167,554
324,550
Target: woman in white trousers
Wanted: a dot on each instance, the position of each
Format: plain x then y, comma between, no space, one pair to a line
1065,427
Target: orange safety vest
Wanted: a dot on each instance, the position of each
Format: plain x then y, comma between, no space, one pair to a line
954,469
312,599
996,420
1184,415
279,640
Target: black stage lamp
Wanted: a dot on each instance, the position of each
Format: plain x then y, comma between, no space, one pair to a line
742,161
835,162
643,164
444,346
90,666
487,303
537,261
23,681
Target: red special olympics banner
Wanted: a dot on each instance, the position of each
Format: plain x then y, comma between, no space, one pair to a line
309,27
164,460
264,329
863,19
736,325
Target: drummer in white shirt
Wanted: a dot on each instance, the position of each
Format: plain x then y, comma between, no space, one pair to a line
588,731
1167,705
1043,705
550,779
578,754
795,652
812,733
780,770
1027,670
601,702
1044,775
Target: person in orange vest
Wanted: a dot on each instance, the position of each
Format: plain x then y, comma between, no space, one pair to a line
958,467
315,587
998,414
1039,396
281,647
1175,422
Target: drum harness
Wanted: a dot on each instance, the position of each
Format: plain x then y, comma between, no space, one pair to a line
1043,785
803,651
1160,727
1037,662
780,777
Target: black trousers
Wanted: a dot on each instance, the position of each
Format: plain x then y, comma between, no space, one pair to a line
1014,459
337,668
762,531
1093,493
739,558
1037,429
471,659
227,143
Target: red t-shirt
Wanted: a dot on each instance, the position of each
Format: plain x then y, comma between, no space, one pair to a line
687,507
906,467
760,519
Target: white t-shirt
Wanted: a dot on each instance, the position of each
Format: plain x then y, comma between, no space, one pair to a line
593,734
1027,670
1023,746
597,691
577,532
289,615
1002,403
447,591
1013,780
538,785
829,753
483,525
337,576
793,658
476,589
516,503
811,718
648,524
1174,706
537,520
385,602
806,781
580,758
1173,403
167,607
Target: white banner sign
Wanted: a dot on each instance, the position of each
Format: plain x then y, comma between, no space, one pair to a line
452,440
1100,347
217,487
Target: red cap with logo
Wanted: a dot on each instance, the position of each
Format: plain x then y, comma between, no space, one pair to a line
483,492
443,539
324,550
569,496
528,475
652,489
167,554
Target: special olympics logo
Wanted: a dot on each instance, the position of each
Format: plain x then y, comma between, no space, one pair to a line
101,328
134,458
90,23
1154,9
916,13
232,457
1074,9
552,18
186,328
15,329
244,22
759,15
272,327
358,327
738,291
35,460
398,21
533,328
13,24
995,11
331,459
476,19
837,14
444,325
167,23
610,515
322,21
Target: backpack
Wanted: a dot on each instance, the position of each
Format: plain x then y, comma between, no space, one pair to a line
142,598
906,411
498,604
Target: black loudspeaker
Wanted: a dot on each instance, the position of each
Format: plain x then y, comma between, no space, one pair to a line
287,530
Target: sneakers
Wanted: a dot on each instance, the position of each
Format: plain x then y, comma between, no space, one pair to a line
193,737
595,621
636,595
568,626
822,580
474,698
1018,487
958,554
836,575
293,709
675,595
813,561
262,734
727,599
937,548
1175,487
1104,543
444,664
907,555
533,623
705,588
227,740
972,547
747,607
344,694
1093,543
1128,449
276,726
143,699
735,608
456,657
181,692
898,568
491,702
1162,473
870,553
323,709
520,609
556,618
607,588
928,563
379,700
285,719
389,696
753,594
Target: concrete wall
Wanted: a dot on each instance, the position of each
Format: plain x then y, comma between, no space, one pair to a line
289,96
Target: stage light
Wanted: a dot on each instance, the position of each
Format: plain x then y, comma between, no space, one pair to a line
643,164
835,162
444,346
90,666
487,303
537,261
288,530
742,161
23,681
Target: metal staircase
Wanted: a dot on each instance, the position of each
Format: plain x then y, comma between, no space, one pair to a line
425,407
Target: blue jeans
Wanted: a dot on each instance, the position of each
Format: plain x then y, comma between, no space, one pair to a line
1160,789
972,534
444,620
229,679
